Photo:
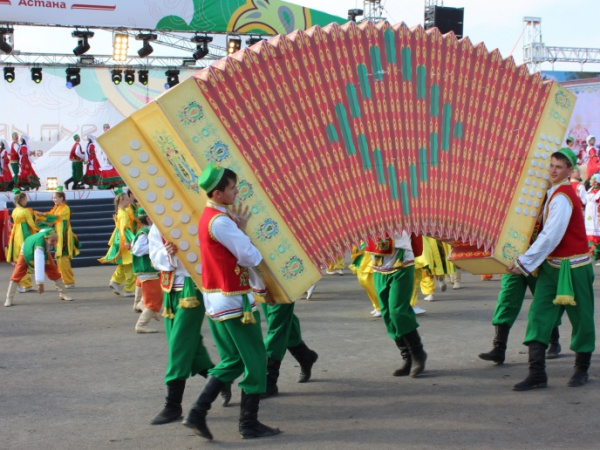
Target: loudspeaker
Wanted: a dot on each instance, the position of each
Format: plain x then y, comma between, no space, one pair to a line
449,19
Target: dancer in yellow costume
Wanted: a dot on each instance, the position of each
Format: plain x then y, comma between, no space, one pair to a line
23,227
67,246
336,266
120,248
429,266
362,267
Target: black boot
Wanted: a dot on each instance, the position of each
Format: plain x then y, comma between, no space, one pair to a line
554,348
417,354
226,394
70,180
172,410
582,364
249,426
405,369
306,357
498,352
272,377
196,418
537,377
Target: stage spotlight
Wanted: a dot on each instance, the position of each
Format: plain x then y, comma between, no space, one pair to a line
120,46
354,13
117,76
6,40
82,44
130,76
172,78
36,75
143,77
234,43
73,77
9,74
146,49
201,46
253,40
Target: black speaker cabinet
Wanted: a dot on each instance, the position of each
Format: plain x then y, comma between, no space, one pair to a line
449,19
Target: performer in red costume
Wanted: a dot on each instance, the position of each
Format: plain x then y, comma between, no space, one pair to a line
76,157
28,179
92,167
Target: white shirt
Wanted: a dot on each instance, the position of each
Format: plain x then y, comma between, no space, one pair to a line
161,260
219,306
556,218
140,248
79,151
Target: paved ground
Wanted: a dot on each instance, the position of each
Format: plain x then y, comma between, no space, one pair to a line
76,376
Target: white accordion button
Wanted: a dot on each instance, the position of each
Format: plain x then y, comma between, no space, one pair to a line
537,155
192,257
546,176
533,214
536,204
538,174
168,194
175,234
557,140
151,197
125,160
134,172
525,191
151,169
518,210
521,200
532,193
529,203
192,230
526,211
185,218
159,209
540,195
531,172
177,206
535,184
533,162
527,181
160,181
543,137
143,157
184,245
143,185
168,221
135,144
550,139
198,269
540,145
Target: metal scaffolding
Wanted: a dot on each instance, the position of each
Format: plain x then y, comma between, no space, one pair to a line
535,52
373,11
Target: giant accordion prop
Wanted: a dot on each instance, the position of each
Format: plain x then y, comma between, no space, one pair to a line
343,133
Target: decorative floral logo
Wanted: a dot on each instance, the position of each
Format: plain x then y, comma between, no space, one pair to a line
267,230
218,152
176,159
383,244
244,278
509,252
191,113
292,268
245,191
562,100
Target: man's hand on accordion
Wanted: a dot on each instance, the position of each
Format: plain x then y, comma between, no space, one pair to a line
514,269
240,215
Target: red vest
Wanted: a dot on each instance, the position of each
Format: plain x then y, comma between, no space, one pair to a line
73,156
574,242
220,271
14,154
385,246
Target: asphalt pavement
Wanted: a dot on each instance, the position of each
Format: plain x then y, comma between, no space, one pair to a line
76,376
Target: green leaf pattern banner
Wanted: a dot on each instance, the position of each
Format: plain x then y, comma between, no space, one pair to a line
248,17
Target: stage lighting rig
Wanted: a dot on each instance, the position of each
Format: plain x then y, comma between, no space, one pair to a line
73,77
201,46
234,43
146,47
172,78
354,13
143,77
36,75
130,76
253,40
6,35
82,44
117,76
9,74
120,46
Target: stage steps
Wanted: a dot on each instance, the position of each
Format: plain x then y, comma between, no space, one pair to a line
92,222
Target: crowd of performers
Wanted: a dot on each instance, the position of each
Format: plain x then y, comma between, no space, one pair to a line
556,268
90,167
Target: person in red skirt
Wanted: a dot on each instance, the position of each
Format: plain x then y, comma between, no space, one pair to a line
109,177
6,181
92,167
28,179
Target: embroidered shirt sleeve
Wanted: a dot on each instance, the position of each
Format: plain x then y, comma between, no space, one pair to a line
140,247
227,233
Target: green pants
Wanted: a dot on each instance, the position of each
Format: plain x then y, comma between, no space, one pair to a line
187,354
510,298
77,171
242,351
543,314
394,292
15,169
283,329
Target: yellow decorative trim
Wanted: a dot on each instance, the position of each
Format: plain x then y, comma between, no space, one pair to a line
565,300
581,255
212,236
168,313
226,294
248,318
188,303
